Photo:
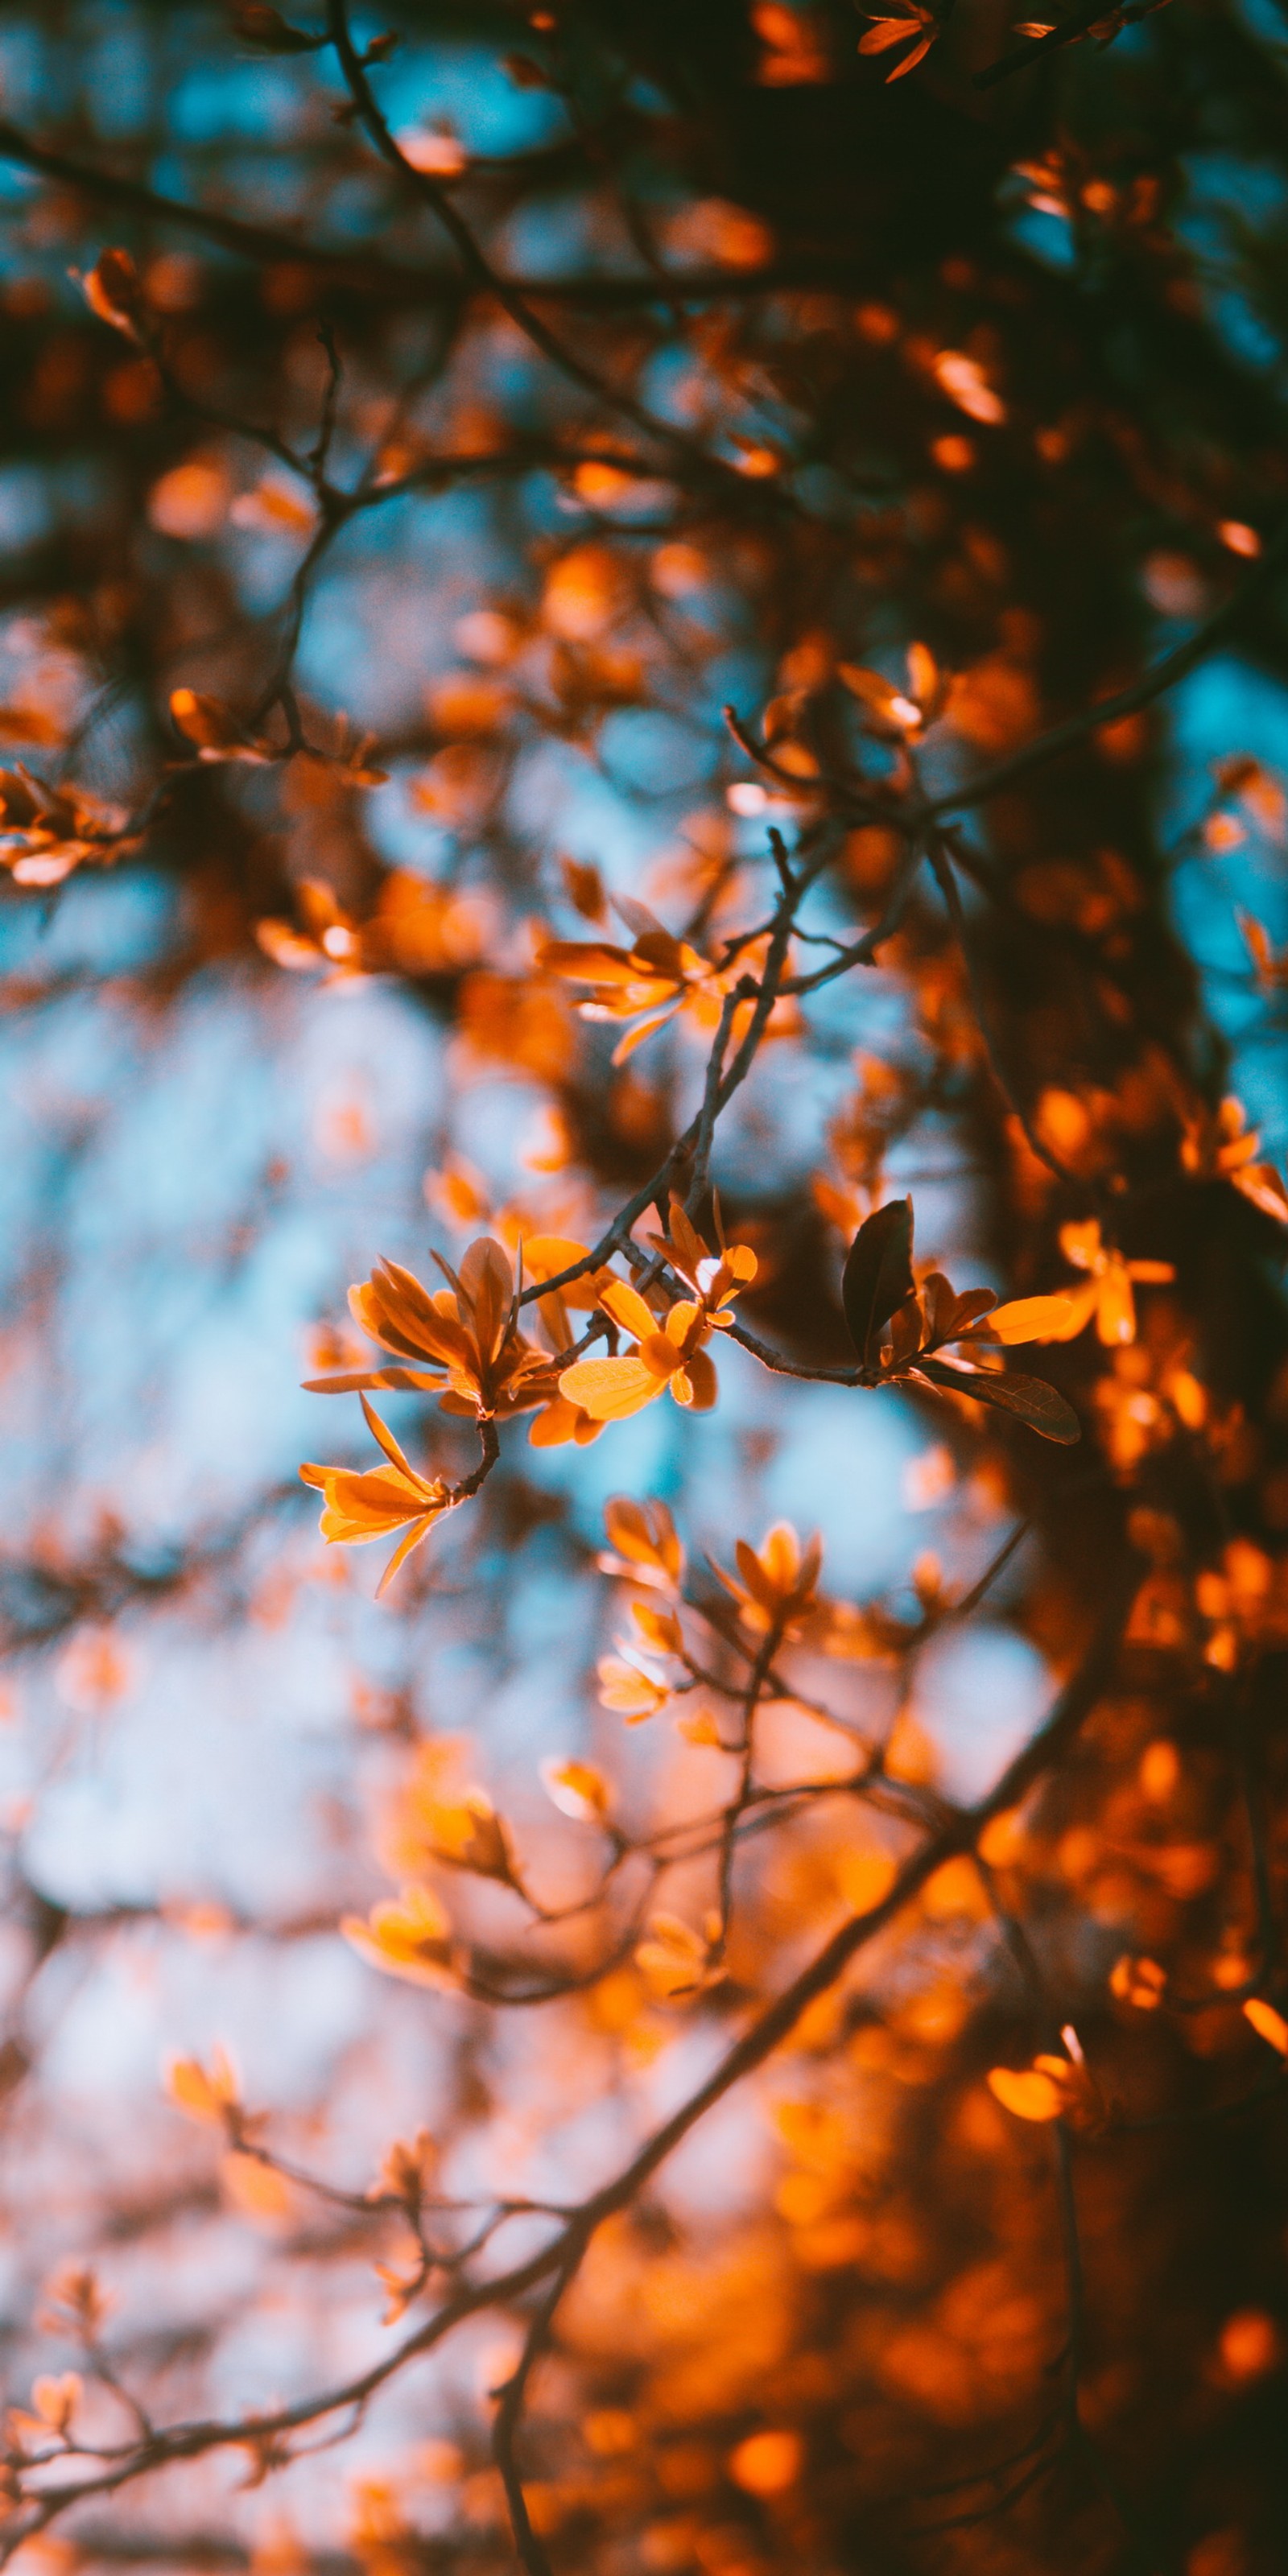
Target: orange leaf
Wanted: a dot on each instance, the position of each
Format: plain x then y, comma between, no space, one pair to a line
1267,2023
1039,1319
910,61
608,1390
887,32
206,2094
1025,2092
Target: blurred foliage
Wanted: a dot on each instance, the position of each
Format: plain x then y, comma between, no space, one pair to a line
651,550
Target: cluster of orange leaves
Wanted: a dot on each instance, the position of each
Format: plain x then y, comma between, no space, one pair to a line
775,1589
416,928
46,831
468,1349
656,980
439,1821
1221,1614
470,1352
1220,1146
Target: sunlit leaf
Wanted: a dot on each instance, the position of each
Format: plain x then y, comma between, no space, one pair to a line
1267,2023
1025,2092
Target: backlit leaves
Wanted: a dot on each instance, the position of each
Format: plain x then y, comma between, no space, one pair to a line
415,928
1031,2092
465,1337
1221,1146
1052,2088
113,290
631,1687
408,1936
644,1543
210,2094
359,1507
892,713
776,1582
1106,1296
55,2397
46,832
1138,1981
797,1760
669,1351
909,22
649,983
437,1816
214,732
676,1960
897,1327
577,1789
1268,2024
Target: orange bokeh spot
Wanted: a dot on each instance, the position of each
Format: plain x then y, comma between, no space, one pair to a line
766,2463
1250,2345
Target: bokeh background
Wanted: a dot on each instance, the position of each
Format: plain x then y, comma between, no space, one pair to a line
204,1708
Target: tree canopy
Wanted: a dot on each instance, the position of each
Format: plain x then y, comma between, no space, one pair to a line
642,709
